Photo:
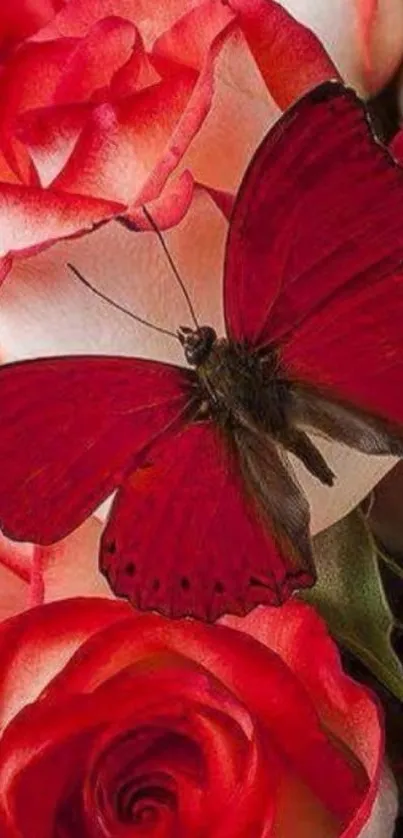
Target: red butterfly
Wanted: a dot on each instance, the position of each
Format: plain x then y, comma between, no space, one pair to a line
208,517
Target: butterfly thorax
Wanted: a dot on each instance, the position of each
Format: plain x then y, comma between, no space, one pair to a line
245,390
237,385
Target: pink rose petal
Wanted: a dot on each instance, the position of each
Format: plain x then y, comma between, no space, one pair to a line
70,567
14,594
21,578
287,70
17,557
126,153
121,144
367,10
50,135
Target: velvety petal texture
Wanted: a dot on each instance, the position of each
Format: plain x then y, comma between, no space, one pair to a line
117,724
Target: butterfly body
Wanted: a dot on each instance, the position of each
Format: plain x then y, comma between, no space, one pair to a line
239,388
208,517
240,385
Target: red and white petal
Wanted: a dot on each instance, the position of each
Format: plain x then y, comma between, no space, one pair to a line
36,645
15,576
290,57
84,75
197,107
365,42
31,218
121,144
381,34
230,91
297,627
17,557
129,267
137,73
241,99
168,208
50,135
50,132
382,820
76,17
14,593
70,567
29,81
201,34
347,709
6,264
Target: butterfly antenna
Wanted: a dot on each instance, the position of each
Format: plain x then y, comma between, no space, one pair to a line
113,303
172,264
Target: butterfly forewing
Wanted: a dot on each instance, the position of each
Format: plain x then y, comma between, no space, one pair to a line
319,211
353,349
70,429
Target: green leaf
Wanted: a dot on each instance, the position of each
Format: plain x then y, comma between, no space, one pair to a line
349,595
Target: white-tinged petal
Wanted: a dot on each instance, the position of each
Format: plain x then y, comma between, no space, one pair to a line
383,818
337,24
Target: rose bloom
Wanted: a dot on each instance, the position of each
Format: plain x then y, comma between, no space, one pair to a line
104,106
114,724
109,105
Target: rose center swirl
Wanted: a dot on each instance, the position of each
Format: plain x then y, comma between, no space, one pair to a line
139,779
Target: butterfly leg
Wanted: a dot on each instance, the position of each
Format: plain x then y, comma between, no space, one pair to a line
298,443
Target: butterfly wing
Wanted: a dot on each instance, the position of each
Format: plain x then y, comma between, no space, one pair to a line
353,349
322,412
185,538
70,429
319,213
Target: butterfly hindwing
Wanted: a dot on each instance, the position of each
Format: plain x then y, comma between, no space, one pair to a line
70,429
184,538
319,212
321,412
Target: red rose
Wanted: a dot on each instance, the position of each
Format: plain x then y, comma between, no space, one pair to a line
100,103
115,724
